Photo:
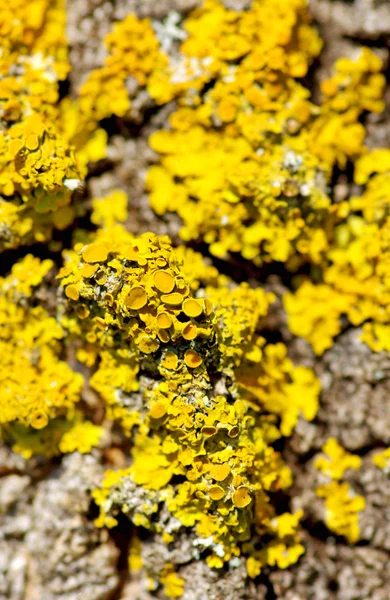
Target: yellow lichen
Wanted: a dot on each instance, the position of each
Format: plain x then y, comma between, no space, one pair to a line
356,284
135,558
164,281
382,459
192,359
173,584
342,505
38,166
110,209
38,388
342,508
95,253
337,460
218,444
245,164
242,497
81,437
177,351
192,308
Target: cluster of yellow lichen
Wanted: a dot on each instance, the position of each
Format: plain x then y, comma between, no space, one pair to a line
382,460
39,390
181,359
176,351
133,52
246,163
45,143
36,162
342,504
235,164
356,268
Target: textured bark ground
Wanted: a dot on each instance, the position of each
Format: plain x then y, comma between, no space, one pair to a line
49,547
